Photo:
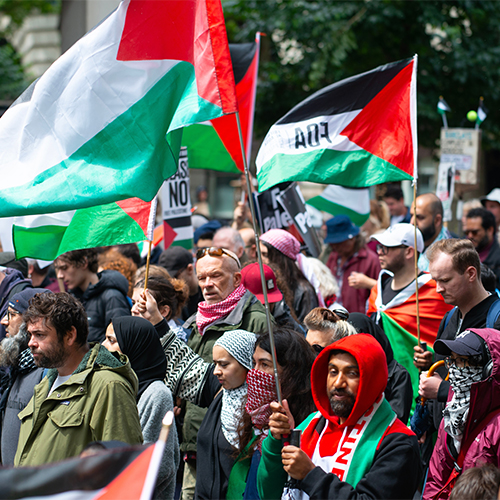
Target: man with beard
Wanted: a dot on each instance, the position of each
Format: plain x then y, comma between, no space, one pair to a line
353,446
17,386
392,302
480,228
430,222
89,394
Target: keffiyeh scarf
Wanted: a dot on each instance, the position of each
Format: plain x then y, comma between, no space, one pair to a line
208,313
232,412
457,410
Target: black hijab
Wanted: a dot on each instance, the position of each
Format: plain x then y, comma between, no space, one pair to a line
139,341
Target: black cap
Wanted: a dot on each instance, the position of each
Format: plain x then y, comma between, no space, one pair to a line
8,259
175,259
466,344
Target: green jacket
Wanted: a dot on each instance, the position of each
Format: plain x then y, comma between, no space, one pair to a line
250,315
97,403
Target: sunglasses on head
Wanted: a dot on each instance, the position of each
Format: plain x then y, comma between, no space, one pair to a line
217,252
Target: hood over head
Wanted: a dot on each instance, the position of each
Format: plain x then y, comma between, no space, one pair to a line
108,279
372,364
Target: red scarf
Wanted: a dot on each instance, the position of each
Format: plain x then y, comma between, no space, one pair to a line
261,392
208,313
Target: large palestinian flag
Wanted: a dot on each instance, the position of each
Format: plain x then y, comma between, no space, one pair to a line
399,318
47,236
103,122
215,144
355,133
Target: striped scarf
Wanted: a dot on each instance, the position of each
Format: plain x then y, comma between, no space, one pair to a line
208,313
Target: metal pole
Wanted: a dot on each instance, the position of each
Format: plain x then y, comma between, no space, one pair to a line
416,257
259,259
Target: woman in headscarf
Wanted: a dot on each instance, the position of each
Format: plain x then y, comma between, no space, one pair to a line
137,339
282,250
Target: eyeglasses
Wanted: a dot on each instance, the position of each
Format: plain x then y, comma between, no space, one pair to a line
383,250
217,252
12,313
457,362
472,232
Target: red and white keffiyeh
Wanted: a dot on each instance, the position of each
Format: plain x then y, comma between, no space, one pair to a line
208,313
260,393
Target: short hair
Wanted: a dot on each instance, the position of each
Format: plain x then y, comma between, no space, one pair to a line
235,238
169,292
462,253
326,321
78,258
487,218
477,483
394,192
488,278
62,311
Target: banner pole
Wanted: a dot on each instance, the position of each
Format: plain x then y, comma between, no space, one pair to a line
261,265
416,257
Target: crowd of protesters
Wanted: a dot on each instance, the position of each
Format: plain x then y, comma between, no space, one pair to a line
95,349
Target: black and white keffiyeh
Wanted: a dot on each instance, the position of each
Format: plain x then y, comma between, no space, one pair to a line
457,410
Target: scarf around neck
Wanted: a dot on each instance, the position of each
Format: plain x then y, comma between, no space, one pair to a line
457,410
261,393
208,313
233,401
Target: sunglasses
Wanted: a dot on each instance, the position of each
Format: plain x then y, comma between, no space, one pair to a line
217,252
383,250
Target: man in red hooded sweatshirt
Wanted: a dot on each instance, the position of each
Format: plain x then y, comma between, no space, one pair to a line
353,446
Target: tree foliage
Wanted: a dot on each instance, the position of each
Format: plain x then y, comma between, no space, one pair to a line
311,44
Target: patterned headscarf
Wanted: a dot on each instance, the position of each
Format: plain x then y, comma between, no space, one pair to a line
283,241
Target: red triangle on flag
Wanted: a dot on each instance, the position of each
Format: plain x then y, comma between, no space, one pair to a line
193,31
137,209
383,127
168,235
130,482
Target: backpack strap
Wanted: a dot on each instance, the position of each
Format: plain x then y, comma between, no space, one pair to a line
448,316
493,314
458,464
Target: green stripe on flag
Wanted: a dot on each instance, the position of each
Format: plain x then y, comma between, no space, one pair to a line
332,208
129,158
90,227
206,150
402,343
328,166
187,244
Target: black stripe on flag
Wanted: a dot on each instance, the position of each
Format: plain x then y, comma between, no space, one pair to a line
179,222
350,94
242,55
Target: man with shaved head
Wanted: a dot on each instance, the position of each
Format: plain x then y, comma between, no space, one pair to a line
229,238
228,305
429,220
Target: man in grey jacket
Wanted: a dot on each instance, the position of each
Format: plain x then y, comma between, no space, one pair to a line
16,389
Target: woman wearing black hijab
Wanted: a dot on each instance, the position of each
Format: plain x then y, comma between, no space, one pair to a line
137,339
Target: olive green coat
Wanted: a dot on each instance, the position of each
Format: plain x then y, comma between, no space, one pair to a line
97,403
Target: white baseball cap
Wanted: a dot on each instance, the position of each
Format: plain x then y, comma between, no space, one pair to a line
494,195
400,234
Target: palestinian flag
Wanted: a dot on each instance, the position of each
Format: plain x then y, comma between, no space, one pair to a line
338,200
48,236
215,144
399,318
355,133
442,106
482,112
104,121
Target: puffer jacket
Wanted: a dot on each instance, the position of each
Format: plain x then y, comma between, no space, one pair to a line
250,315
97,403
485,448
105,300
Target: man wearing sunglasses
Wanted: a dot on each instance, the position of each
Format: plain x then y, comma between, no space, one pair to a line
227,305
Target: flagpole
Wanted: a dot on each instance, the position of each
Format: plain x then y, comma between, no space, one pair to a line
259,259
416,257
156,458
151,228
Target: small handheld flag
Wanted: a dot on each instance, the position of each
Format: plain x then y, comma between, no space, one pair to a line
443,108
482,112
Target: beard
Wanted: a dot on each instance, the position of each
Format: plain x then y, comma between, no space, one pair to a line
397,264
428,232
483,244
343,408
11,347
52,357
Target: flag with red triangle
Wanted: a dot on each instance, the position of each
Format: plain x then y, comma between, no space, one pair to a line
104,122
215,144
47,236
357,132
